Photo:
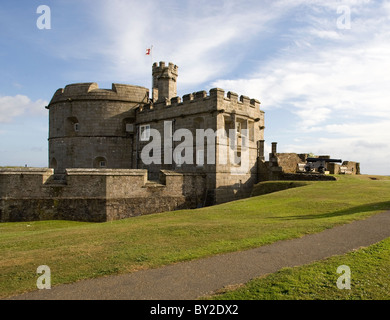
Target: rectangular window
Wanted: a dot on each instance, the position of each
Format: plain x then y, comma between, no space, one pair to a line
144,133
238,127
129,127
237,160
102,164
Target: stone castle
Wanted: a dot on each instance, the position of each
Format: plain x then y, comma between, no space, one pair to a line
208,148
97,137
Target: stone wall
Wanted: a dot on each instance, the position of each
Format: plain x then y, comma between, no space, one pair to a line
306,177
284,166
94,195
347,167
289,161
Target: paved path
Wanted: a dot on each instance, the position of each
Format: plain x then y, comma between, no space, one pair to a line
190,280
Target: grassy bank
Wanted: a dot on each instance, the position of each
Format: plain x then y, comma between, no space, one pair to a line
369,279
275,186
75,250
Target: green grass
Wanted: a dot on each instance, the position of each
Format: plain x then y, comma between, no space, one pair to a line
75,250
369,267
275,186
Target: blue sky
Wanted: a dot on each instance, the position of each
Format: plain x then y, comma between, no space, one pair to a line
323,82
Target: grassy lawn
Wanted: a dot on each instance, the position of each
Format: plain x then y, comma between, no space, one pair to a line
369,279
75,250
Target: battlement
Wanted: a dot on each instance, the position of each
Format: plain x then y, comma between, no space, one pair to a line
162,69
91,91
214,94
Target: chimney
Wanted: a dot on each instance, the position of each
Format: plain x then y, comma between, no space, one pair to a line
274,144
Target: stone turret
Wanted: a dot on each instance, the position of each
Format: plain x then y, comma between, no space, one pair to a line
91,127
164,81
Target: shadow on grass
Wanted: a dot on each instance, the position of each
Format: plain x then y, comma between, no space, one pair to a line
267,187
358,209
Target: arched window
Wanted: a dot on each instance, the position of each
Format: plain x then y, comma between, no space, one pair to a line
100,162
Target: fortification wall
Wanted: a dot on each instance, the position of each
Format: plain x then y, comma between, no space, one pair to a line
347,167
289,161
350,167
94,195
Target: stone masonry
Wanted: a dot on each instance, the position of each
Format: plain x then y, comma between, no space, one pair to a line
96,139
93,194
289,166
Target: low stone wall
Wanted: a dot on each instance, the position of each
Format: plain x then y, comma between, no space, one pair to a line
306,177
289,161
95,195
347,167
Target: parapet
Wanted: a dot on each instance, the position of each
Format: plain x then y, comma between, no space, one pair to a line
87,194
214,94
91,91
107,183
23,182
161,68
27,170
106,172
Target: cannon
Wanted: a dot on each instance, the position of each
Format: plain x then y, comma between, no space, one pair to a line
319,164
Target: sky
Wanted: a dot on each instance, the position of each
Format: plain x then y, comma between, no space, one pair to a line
321,69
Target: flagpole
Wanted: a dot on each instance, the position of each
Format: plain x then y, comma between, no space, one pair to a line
151,63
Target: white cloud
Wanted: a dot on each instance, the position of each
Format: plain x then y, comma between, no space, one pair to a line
340,79
204,38
335,81
19,105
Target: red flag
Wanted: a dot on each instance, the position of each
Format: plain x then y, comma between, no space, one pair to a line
149,51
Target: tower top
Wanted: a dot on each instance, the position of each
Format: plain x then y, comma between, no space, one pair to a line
162,68
164,81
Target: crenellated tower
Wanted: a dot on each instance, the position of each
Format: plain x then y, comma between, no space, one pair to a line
164,81
91,127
